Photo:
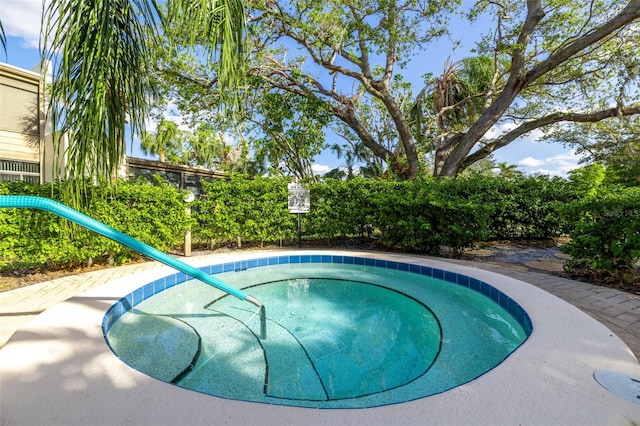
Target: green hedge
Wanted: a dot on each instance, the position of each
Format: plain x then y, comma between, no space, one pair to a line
607,229
420,215
522,207
417,215
36,239
252,210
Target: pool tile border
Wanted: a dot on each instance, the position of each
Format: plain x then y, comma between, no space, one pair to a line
127,302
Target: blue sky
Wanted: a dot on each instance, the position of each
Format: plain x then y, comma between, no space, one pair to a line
21,21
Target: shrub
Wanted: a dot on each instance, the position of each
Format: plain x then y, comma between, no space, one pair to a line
154,214
522,207
420,215
607,229
253,210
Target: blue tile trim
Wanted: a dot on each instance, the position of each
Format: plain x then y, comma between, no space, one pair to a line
438,274
451,277
137,297
170,281
158,286
129,301
147,291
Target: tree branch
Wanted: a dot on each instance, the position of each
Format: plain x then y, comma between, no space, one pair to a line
518,81
200,82
626,16
589,117
514,85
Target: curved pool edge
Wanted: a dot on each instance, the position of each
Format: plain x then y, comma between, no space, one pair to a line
60,364
335,266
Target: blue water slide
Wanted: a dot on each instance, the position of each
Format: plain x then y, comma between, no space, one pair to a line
31,202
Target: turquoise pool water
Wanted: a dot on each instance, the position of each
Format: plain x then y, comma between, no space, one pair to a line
340,335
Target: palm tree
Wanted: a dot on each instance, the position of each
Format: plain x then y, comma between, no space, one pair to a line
208,148
508,170
100,50
452,102
3,38
164,139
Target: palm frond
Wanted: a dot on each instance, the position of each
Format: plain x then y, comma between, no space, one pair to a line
101,56
99,51
3,38
218,26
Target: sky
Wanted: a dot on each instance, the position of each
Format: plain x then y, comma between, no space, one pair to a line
21,22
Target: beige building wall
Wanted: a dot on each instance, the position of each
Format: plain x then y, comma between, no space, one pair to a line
22,124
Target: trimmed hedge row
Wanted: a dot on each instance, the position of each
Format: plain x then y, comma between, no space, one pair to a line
37,239
251,210
419,215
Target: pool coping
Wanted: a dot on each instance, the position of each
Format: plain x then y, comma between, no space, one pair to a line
58,370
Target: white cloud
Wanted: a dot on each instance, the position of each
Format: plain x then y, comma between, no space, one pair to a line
320,169
500,129
503,128
21,19
557,165
530,162
170,113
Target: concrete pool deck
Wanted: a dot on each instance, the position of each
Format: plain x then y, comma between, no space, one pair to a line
56,368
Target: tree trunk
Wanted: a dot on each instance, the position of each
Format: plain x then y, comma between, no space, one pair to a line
404,133
347,115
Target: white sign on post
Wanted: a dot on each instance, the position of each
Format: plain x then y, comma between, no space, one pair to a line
299,198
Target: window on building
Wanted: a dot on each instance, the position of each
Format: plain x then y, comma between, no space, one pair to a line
19,170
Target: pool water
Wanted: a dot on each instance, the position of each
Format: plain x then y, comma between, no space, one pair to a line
338,336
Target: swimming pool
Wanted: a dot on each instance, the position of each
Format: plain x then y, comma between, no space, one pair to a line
344,331
59,370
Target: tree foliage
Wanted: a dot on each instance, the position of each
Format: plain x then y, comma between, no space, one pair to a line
164,139
614,144
537,59
291,132
101,57
540,65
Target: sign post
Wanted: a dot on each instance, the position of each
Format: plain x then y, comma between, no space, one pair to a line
299,202
188,199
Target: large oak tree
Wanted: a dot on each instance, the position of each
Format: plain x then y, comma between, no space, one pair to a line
552,62
540,65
